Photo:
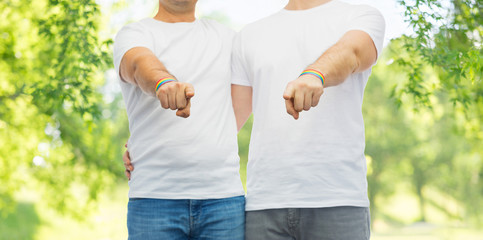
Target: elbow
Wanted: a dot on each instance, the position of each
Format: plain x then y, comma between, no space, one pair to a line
355,60
136,74
129,72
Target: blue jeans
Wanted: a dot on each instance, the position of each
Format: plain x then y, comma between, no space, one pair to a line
164,219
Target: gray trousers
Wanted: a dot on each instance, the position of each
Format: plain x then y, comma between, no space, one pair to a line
332,223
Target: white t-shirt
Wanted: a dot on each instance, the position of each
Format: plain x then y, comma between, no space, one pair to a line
318,160
173,157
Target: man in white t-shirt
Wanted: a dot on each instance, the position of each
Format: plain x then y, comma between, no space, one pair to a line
186,184
306,173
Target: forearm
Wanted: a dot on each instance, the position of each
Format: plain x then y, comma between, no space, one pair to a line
142,68
147,73
354,52
242,103
336,64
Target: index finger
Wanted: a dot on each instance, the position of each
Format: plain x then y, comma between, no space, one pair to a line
291,109
289,92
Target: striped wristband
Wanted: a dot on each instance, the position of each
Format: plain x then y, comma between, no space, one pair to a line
315,73
163,81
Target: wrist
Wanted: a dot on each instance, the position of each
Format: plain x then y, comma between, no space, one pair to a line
161,82
316,73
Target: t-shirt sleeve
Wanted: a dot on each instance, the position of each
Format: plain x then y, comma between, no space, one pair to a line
371,21
130,36
239,72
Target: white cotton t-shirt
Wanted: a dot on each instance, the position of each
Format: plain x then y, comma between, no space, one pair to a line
318,160
174,157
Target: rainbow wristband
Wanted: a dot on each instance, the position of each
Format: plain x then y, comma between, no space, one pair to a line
315,73
163,81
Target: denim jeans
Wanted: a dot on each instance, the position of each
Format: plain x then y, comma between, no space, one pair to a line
165,219
331,223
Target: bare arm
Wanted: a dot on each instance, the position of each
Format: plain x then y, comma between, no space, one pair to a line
354,52
242,103
141,67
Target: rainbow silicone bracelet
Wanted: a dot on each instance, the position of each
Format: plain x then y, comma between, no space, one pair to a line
163,81
315,73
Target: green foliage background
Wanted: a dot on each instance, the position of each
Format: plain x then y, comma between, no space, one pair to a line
52,70
61,138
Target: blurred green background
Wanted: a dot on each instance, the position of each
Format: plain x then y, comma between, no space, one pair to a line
63,125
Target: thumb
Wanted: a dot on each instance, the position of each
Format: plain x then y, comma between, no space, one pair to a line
185,112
